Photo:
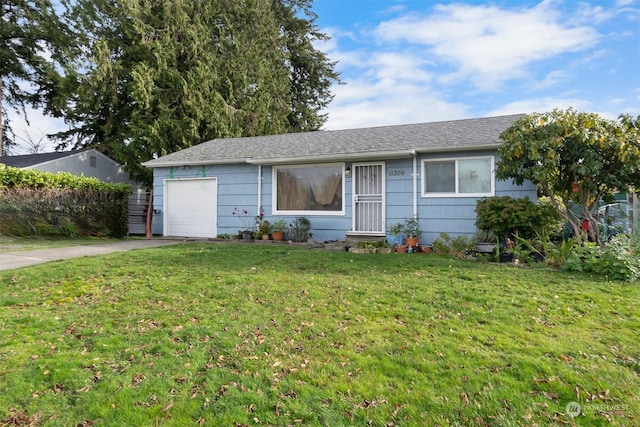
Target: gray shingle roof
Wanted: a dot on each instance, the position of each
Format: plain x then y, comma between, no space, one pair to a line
26,160
366,143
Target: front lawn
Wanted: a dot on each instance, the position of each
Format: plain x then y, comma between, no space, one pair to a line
246,334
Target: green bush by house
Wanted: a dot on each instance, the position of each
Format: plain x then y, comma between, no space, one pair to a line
45,204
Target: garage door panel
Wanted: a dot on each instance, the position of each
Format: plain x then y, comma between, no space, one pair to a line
191,207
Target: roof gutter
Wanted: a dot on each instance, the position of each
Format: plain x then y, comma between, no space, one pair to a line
378,155
483,147
166,164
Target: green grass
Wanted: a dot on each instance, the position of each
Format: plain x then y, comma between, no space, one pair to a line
240,334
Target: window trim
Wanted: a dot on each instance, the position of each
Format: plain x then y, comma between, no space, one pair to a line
274,190
456,193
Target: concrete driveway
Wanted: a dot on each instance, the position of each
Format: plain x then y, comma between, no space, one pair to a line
18,259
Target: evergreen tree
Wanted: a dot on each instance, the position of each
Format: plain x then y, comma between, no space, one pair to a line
159,76
33,43
311,72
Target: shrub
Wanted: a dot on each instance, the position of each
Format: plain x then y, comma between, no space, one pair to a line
458,247
41,203
301,227
508,217
619,260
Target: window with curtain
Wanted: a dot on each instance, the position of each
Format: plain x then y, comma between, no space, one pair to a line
464,177
316,189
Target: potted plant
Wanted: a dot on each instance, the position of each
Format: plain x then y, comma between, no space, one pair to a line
277,229
242,215
485,241
395,236
401,249
411,228
301,227
264,228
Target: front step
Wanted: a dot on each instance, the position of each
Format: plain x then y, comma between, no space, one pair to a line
353,239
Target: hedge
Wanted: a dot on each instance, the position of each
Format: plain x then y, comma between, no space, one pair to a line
46,204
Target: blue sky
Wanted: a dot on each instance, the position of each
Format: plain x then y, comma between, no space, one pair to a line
408,61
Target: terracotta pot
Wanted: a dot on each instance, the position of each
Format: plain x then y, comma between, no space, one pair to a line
402,249
411,241
277,235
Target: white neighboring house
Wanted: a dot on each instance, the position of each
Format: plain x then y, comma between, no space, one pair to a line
89,163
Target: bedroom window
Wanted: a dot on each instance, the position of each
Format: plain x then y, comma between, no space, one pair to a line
462,177
309,189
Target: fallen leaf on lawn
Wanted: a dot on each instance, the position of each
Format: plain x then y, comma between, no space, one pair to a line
543,380
549,395
465,398
366,404
566,359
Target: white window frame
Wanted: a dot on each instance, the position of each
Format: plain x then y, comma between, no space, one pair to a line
456,193
274,191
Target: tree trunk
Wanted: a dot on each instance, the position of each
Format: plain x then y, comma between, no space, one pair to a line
1,122
575,223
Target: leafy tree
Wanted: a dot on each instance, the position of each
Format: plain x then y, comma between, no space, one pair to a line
34,41
575,158
161,76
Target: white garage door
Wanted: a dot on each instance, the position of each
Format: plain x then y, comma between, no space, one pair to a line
191,207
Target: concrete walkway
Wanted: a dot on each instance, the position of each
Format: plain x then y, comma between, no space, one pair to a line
18,259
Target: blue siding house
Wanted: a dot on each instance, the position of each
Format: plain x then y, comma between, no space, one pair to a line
353,182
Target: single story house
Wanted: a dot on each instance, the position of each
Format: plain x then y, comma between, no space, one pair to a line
346,182
89,163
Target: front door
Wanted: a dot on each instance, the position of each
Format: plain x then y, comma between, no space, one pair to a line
368,198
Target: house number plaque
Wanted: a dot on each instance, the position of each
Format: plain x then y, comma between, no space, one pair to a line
396,172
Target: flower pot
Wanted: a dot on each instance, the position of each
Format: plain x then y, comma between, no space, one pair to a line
411,241
426,249
537,256
507,257
265,236
278,235
401,249
395,239
485,247
246,235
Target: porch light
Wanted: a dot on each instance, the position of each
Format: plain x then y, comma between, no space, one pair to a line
347,171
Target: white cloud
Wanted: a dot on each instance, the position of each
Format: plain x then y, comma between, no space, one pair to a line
609,109
363,103
540,105
487,45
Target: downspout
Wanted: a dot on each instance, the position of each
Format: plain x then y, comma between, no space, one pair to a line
415,182
259,188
